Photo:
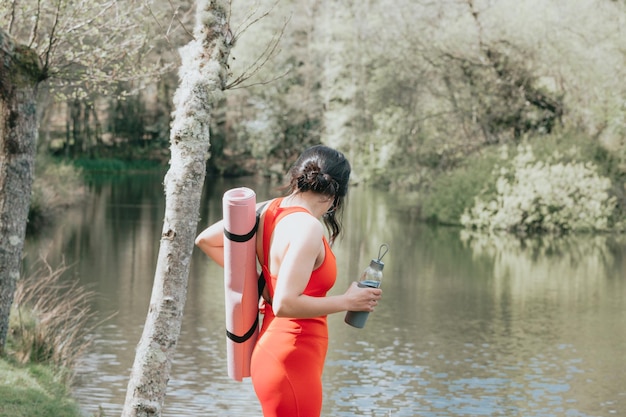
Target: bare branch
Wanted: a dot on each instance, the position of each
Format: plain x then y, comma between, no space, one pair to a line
33,33
261,60
52,38
239,86
247,23
93,19
165,32
12,18
182,25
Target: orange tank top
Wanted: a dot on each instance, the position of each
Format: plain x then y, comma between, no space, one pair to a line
322,278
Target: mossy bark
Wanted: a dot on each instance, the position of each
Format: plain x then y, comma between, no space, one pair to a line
20,74
202,79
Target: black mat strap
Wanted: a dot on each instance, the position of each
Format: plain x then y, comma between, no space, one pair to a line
248,335
242,238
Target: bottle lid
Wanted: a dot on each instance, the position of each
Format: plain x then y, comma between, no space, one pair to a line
377,264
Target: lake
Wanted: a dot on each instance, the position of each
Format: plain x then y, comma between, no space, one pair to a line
468,325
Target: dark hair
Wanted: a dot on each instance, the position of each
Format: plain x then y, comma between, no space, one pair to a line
325,171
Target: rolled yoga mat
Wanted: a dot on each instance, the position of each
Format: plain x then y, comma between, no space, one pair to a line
240,279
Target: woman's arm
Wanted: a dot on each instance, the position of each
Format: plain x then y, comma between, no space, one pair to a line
299,242
211,242
211,239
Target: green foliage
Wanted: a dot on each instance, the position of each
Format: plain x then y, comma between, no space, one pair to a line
408,95
451,192
91,51
405,90
503,96
556,196
99,165
57,185
127,119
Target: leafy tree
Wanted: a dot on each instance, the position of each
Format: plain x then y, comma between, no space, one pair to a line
72,49
91,50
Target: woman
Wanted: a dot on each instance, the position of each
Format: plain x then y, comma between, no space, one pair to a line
300,268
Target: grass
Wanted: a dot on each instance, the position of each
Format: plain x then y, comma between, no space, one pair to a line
34,390
51,319
50,327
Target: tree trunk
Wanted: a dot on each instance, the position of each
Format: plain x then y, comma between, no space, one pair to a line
20,73
202,78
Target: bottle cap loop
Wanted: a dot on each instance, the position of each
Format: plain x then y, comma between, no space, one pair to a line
377,263
385,247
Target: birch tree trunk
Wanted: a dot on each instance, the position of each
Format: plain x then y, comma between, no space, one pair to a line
202,79
20,72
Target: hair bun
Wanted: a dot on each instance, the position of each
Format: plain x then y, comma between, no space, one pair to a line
326,171
323,180
326,184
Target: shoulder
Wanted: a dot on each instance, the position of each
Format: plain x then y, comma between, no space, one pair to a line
301,221
301,226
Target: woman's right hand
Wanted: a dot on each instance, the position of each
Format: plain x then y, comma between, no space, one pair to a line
362,298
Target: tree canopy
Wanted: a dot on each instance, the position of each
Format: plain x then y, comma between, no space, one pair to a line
406,85
407,89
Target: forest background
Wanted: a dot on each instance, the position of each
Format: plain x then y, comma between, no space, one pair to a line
493,114
431,98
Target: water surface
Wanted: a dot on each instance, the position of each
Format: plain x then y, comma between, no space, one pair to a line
468,326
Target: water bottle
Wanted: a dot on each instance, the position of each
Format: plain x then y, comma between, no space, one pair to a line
371,277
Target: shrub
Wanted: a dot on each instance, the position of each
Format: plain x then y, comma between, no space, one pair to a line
452,192
536,196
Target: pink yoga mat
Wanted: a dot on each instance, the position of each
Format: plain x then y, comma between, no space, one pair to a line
240,279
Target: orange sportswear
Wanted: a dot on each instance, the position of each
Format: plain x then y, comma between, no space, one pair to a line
288,358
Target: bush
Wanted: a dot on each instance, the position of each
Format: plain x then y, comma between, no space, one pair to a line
452,192
536,196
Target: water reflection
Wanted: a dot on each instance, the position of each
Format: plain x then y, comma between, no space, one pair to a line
468,325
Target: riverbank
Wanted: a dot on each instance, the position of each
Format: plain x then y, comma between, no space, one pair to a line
34,390
49,330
